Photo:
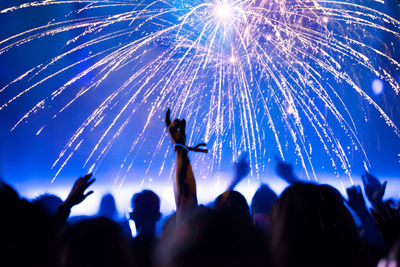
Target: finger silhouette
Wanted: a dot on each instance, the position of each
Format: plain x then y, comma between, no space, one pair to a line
383,188
90,182
87,177
88,194
167,117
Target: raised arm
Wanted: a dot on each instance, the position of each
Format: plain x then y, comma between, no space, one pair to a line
356,202
374,189
75,196
184,182
241,169
285,171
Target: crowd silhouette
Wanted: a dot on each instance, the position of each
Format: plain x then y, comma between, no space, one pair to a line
309,224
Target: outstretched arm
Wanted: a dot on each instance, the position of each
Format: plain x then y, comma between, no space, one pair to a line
241,169
75,196
285,171
184,182
356,202
374,189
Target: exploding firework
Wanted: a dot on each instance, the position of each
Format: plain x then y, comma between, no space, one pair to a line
241,72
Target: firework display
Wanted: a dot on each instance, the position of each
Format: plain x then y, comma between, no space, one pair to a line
241,72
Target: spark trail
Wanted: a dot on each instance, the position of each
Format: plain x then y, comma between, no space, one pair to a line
237,70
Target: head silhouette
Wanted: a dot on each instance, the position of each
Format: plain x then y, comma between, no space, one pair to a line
7,193
93,242
26,232
108,208
261,204
234,203
215,238
145,211
48,202
310,226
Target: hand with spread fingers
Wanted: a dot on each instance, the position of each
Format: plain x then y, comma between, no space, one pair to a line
374,190
77,194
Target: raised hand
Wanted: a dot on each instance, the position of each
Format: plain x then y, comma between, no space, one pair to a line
176,129
356,200
388,222
374,190
241,169
285,171
77,194
184,181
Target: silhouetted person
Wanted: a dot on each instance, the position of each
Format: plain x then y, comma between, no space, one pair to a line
203,237
285,171
95,242
26,231
374,189
76,196
262,202
214,238
108,209
145,214
50,203
241,169
7,194
233,203
310,226
168,227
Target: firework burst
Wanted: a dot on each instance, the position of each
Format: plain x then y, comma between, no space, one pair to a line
239,71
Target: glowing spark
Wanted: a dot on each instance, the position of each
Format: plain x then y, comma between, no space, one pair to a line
223,11
290,110
235,70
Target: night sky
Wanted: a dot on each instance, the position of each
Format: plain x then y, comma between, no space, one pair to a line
26,158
